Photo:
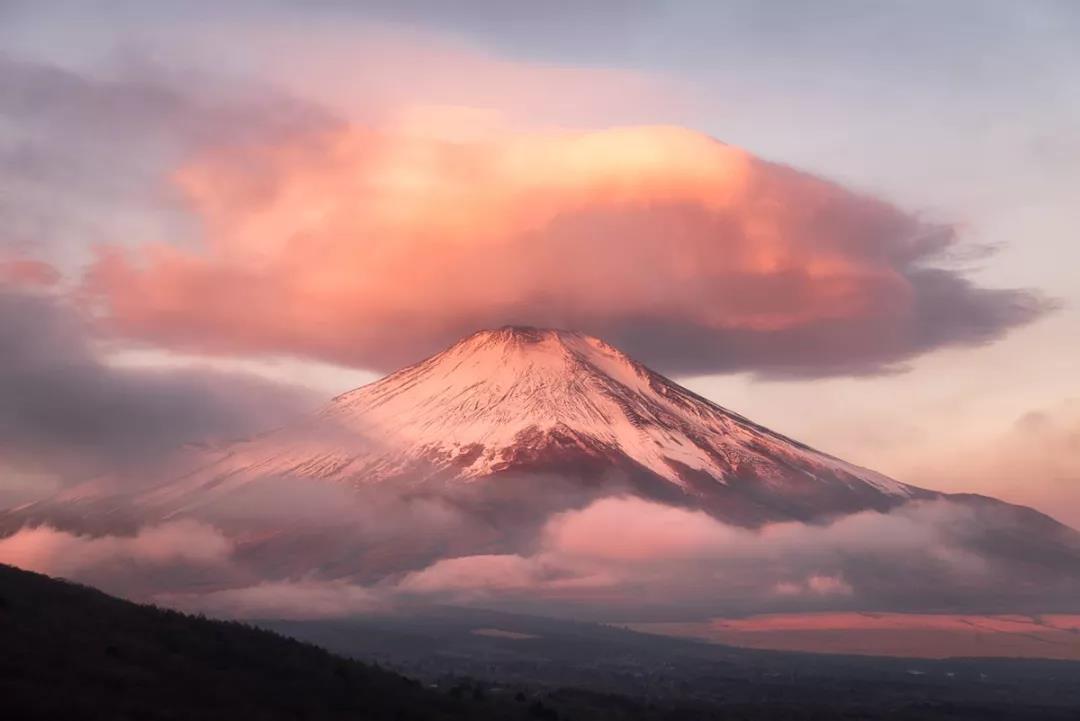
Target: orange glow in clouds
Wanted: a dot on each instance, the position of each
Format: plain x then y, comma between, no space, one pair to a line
374,247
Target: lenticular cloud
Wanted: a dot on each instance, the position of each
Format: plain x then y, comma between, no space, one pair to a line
374,248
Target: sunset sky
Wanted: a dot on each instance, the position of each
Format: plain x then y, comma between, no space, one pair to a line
853,222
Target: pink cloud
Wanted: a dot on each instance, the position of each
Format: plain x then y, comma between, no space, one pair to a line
624,551
630,529
51,551
28,273
475,573
635,530
621,557
375,247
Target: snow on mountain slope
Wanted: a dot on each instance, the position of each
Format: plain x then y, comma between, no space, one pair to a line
522,399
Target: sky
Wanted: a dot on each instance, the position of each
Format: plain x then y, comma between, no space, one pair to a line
853,222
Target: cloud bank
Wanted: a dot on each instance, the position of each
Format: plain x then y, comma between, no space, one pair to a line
616,558
157,559
377,247
632,555
68,412
61,553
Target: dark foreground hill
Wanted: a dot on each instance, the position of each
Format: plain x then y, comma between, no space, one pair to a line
70,652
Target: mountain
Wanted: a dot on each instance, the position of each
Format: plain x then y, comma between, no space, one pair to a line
518,400
479,451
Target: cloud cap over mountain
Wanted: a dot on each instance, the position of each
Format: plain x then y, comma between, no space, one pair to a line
376,247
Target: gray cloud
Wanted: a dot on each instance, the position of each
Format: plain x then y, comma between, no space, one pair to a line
949,310
85,159
65,410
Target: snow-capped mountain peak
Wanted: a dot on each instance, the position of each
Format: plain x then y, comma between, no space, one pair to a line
532,400
495,384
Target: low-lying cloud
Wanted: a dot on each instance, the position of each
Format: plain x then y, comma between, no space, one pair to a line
112,559
660,563
631,553
376,247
